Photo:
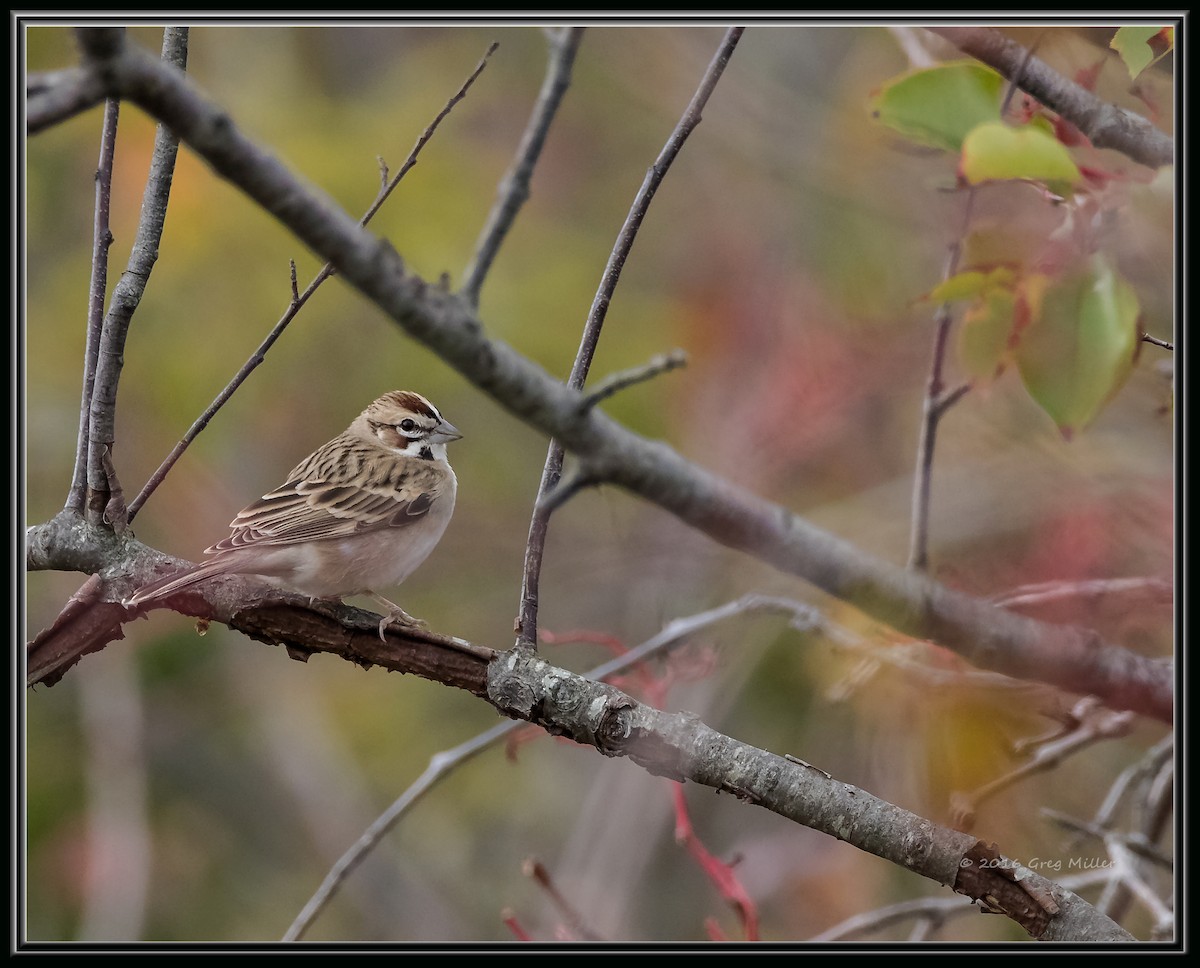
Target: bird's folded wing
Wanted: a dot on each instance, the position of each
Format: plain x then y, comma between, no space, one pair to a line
313,508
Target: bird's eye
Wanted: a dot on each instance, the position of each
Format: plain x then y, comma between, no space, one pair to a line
408,425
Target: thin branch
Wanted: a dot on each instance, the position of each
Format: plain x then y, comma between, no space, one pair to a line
1130,879
1104,124
1139,773
1134,843
936,909
514,188
526,624
616,382
299,299
935,407
127,294
536,871
1147,338
102,240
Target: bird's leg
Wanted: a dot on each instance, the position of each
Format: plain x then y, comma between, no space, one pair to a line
396,615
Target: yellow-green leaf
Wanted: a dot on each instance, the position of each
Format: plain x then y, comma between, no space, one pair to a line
1140,45
971,283
1077,352
939,105
985,335
994,151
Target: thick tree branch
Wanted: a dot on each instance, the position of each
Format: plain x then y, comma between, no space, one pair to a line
680,746
94,616
1106,125
1072,658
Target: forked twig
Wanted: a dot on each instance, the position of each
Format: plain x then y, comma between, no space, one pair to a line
526,625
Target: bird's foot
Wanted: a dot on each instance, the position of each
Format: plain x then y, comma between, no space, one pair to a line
396,616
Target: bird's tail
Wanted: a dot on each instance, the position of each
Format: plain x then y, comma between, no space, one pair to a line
170,584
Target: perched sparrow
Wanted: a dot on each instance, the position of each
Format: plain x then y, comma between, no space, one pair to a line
359,513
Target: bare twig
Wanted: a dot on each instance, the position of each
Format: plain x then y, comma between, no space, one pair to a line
1135,843
298,299
935,909
1146,787
514,188
526,625
1130,879
1147,338
102,239
440,765
536,871
935,406
1105,125
1093,723
616,382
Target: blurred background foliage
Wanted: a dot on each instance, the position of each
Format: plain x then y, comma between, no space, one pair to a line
187,788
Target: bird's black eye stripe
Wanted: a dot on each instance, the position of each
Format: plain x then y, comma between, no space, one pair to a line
408,425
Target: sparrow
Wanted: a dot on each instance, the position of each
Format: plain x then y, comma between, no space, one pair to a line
360,513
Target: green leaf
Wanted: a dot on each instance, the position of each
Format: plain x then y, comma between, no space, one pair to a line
1079,349
985,335
1140,45
971,283
939,105
994,151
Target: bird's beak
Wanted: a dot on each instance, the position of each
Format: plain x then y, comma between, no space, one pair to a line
444,432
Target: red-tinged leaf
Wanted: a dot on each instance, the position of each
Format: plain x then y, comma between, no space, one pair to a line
1140,45
995,151
985,336
1078,350
1162,42
938,106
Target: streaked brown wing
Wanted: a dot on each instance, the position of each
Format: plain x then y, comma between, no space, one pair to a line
337,492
